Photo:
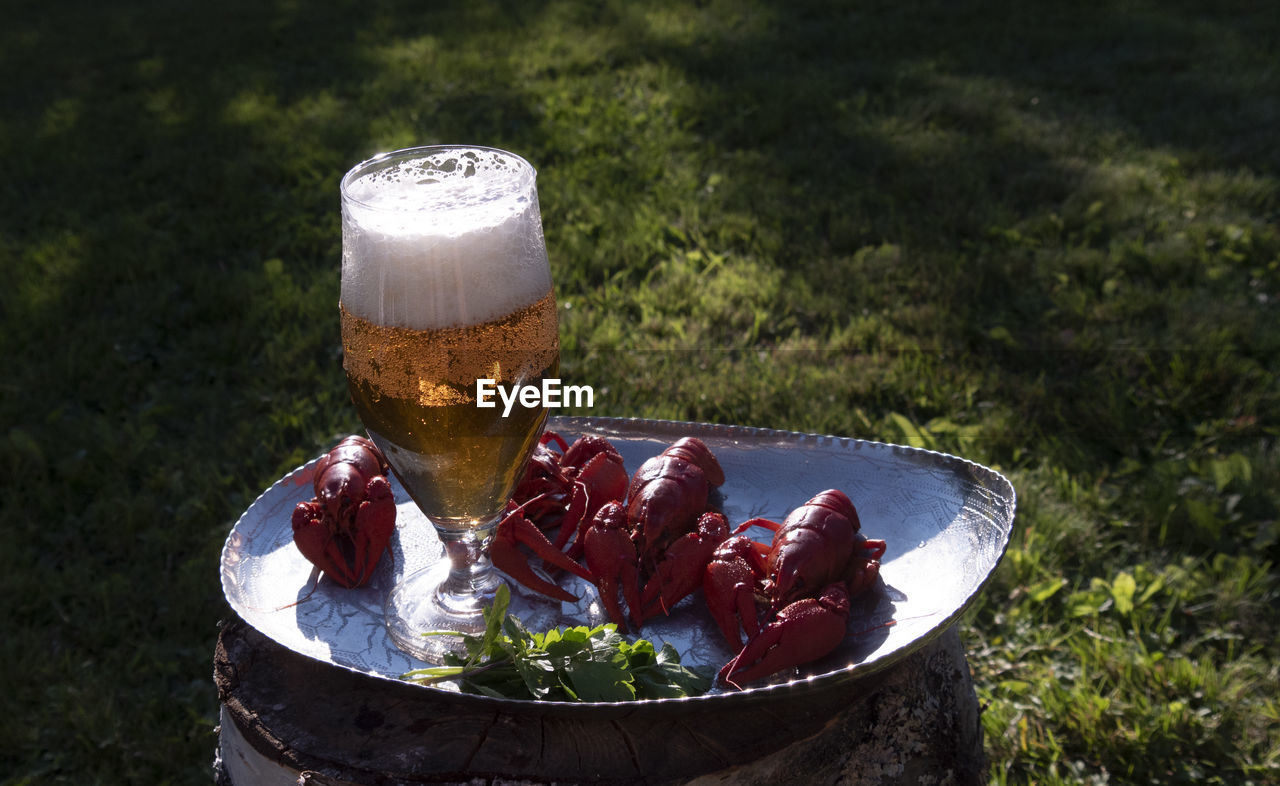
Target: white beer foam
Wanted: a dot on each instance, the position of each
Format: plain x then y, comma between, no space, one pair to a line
428,248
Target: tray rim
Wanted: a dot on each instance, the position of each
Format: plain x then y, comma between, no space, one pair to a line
775,691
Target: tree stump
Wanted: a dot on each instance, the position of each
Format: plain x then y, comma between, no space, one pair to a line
289,719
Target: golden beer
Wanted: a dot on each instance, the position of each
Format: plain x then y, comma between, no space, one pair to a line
415,391
445,282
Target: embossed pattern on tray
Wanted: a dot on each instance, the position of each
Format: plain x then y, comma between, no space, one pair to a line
947,523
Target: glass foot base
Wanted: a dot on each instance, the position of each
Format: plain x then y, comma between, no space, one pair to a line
419,605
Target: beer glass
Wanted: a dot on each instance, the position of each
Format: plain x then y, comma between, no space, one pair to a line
445,281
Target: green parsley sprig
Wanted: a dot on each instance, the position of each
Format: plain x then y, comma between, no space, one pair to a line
571,664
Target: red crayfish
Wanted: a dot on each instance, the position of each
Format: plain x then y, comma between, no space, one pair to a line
656,528
664,534
816,562
563,490
346,527
652,542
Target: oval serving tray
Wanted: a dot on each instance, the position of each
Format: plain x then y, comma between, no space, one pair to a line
946,520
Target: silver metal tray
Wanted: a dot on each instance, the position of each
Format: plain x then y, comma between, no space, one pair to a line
947,523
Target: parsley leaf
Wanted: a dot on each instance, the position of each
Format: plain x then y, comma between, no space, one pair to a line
563,664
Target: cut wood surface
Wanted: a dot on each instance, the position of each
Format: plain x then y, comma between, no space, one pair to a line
297,717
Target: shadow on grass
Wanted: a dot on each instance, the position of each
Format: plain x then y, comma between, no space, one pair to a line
1007,154
168,227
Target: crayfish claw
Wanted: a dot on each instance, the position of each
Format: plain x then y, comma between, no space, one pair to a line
864,567
802,632
515,530
611,558
681,568
508,559
374,524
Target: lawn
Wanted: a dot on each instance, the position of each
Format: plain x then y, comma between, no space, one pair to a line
1045,237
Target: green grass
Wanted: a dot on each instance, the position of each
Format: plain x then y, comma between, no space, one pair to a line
1042,236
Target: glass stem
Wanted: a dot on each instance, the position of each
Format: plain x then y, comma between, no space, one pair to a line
472,580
